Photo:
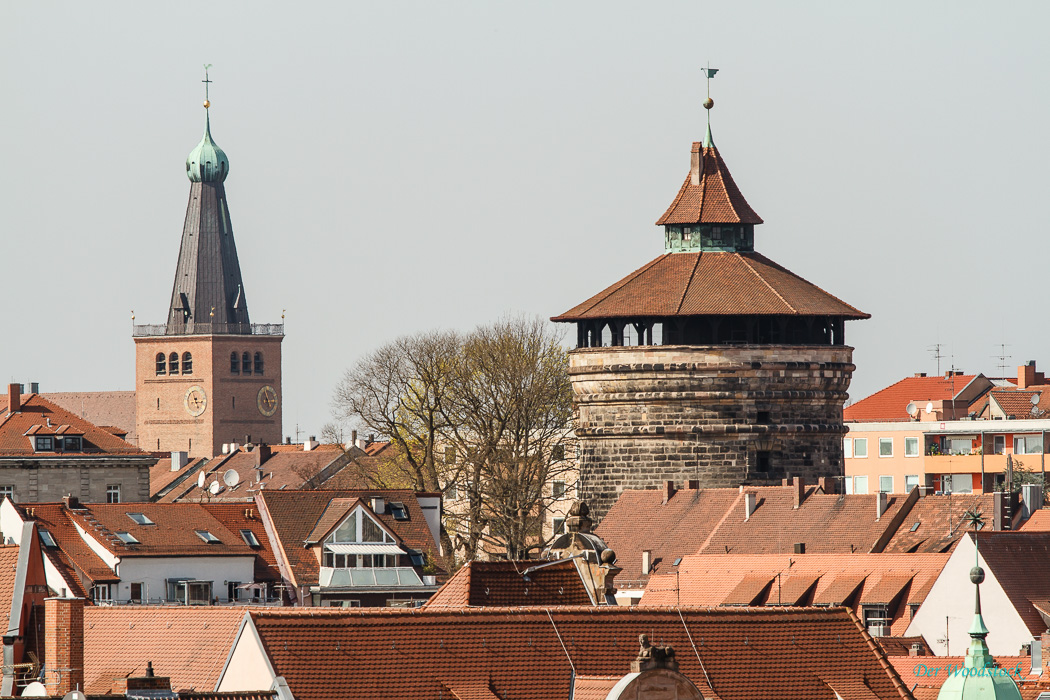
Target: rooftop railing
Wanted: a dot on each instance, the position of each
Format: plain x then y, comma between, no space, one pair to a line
159,329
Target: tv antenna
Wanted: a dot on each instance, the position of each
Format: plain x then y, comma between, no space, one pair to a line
935,350
1003,357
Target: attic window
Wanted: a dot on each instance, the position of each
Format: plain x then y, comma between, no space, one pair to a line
45,444
915,526
249,538
416,557
207,536
399,511
71,443
140,519
677,561
127,538
47,538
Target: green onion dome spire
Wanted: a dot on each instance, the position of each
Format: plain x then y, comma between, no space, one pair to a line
207,162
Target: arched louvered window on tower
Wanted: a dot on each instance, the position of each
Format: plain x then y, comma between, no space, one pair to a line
246,363
161,365
258,363
235,363
173,363
187,363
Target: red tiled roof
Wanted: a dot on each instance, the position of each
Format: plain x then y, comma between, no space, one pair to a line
37,411
73,558
502,583
593,687
941,523
709,195
109,410
891,403
187,644
525,652
1039,521
911,671
1020,563
711,284
295,514
8,569
1017,403
161,475
240,516
743,579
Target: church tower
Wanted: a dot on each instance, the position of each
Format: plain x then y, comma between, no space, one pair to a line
207,375
711,363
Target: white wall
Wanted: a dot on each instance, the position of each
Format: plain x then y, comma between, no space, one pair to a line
952,597
154,572
248,667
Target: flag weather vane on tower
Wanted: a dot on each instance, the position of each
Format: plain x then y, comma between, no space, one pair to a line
207,84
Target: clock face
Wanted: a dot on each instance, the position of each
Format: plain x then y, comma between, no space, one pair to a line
196,401
267,401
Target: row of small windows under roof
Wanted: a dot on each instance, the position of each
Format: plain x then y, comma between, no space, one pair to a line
245,363
49,443
170,364
142,519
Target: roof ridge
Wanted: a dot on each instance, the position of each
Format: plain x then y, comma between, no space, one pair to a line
743,257
689,282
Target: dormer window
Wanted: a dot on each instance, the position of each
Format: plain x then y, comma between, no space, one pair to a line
45,443
71,443
360,542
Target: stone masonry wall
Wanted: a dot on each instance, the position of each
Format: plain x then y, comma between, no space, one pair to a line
650,414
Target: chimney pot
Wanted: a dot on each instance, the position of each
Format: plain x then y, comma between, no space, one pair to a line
668,490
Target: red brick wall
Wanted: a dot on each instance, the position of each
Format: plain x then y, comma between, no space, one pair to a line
63,644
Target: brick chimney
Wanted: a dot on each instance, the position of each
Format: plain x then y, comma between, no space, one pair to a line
828,484
1027,376
14,397
668,490
262,453
881,503
798,490
63,645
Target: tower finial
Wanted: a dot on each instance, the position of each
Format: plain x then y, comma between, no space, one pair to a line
207,84
708,104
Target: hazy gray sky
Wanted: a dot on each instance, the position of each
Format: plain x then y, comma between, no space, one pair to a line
399,166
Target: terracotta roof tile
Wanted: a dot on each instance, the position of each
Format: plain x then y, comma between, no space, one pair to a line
525,652
187,644
1020,563
37,411
8,568
75,560
1038,522
239,516
502,583
890,404
709,195
109,410
593,687
711,284
940,520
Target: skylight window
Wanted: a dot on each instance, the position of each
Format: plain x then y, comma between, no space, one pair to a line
249,538
207,536
399,511
140,519
127,538
915,526
47,538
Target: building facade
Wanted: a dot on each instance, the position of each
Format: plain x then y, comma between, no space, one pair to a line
207,375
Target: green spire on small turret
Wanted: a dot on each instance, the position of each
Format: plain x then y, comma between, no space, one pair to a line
207,162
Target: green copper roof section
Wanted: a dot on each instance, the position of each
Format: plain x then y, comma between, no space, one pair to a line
709,142
207,162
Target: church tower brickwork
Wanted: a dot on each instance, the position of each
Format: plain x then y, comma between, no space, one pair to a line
710,363
207,375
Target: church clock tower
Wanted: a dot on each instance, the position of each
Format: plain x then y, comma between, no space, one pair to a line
207,375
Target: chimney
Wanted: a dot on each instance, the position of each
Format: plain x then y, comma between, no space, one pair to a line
262,453
14,397
668,490
750,503
378,505
827,484
924,490
154,686
179,460
1031,499
647,562
881,501
311,443
916,649
800,548
288,440
353,437
1037,657
63,645
71,502
798,491
998,509
1026,375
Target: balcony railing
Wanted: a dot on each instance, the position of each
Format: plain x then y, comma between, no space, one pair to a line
159,329
955,464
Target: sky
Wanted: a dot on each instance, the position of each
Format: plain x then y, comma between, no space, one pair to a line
403,166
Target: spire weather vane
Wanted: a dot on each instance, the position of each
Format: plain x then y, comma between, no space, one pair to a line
709,103
207,84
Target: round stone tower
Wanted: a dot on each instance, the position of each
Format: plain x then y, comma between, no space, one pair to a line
710,363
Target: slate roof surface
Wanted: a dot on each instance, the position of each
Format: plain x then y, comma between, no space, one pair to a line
525,652
712,580
106,409
502,584
295,514
1020,562
711,284
189,644
890,404
36,411
940,521
714,199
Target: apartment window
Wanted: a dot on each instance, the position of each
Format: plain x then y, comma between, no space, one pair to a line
113,493
860,447
7,492
886,447
189,592
847,447
102,593
258,363
173,363
187,363
137,592
860,484
957,483
45,444
1028,445
911,447
559,526
71,443
231,590
235,363
162,366
559,489
558,453
452,493
910,482
960,446
886,484
998,444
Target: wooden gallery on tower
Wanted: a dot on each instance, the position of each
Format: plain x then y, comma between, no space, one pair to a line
208,376
710,363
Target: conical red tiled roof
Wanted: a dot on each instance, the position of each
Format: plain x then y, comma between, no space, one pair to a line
711,283
709,195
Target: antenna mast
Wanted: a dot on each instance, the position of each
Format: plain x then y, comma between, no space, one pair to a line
935,350
1002,357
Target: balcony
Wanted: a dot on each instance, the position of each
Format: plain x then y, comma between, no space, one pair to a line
971,464
150,330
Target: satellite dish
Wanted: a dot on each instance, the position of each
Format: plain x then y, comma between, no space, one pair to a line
215,488
35,689
1035,399
200,480
231,478
929,406
912,409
